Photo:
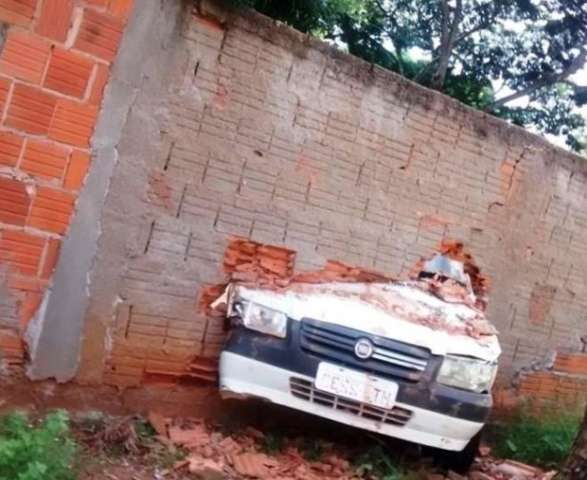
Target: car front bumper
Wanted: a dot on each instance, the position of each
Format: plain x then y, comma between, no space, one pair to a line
245,376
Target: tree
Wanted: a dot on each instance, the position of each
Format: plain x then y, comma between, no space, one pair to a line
575,467
513,58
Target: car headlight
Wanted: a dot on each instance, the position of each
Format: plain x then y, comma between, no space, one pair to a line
467,373
265,320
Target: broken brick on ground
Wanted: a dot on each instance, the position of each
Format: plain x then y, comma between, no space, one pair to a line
211,454
241,455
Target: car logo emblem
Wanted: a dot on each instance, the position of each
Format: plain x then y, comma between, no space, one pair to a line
363,349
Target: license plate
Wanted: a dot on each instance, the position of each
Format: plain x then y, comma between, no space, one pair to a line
356,385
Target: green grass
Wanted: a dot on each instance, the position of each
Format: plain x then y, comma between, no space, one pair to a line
543,440
376,462
273,443
41,450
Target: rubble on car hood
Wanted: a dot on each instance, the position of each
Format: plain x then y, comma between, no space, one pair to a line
440,306
402,311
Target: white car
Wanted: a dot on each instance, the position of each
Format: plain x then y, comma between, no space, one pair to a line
414,360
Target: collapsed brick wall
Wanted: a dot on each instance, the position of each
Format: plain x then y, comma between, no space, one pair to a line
54,64
265,134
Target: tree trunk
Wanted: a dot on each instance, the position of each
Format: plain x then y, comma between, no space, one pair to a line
448,37
575,467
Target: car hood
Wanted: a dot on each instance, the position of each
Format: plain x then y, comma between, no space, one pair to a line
403,311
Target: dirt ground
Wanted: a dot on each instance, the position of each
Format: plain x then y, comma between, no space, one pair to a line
272,445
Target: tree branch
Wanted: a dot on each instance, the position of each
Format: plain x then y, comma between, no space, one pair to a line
435,54
444,26
471,31
381,7
391,18
551,79
447,42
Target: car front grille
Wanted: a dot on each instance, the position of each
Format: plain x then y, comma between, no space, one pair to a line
390,358
304,389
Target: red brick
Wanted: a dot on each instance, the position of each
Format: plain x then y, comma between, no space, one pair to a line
44,159
571,363
73,123
26,284
10,147
51,256
14,201
51,210
121,8
121,381
99,83
11,347
19,12
21,251
4,88
99,34
9,340
68,73
98,3
31,110
24,56
55,19
77,170
28,307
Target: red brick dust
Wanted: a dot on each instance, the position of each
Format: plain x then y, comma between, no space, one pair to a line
159,190
541,300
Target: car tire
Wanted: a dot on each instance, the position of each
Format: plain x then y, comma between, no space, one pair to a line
459,462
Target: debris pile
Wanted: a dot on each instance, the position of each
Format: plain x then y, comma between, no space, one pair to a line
244,455
450,275
449,289
213,455
456,251
335,271
488,468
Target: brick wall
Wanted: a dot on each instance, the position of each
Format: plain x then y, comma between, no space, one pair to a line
54,65
259,132
560,381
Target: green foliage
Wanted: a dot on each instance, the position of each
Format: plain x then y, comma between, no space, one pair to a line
145,431
544,441
164,456
312,449
43,451
273,442
378,463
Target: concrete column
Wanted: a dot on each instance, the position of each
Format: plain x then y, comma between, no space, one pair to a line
55,334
